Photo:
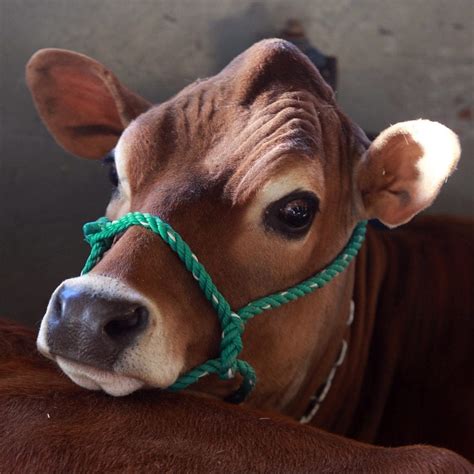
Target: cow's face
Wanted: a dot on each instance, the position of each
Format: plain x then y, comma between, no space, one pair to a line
263,177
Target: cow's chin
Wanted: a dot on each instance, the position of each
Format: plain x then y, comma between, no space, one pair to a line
95,379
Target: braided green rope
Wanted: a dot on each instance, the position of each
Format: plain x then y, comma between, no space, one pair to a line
100,235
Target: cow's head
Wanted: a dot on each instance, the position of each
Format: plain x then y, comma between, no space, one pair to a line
262,175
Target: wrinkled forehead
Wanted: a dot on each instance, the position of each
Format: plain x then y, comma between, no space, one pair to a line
233,129
230,146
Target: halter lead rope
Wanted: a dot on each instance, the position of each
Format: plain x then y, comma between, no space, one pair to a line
100,235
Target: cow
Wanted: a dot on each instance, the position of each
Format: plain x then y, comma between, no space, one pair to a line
51,425
265,178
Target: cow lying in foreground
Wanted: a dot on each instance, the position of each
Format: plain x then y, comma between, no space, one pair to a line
265,178
50,425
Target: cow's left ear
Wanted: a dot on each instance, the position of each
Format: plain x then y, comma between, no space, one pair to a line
404,169
83,105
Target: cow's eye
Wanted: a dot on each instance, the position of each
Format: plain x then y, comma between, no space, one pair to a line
109,163
292,215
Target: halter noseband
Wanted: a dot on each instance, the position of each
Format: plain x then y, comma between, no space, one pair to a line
100,235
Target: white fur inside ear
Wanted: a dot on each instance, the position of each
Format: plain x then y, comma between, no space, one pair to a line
441,152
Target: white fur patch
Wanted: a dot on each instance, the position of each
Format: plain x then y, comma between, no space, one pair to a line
441,154
95,379
120,204
121,166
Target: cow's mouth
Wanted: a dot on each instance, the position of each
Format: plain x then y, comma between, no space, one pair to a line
88,377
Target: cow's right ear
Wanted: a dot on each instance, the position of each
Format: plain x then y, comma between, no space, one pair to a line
83,104
404,168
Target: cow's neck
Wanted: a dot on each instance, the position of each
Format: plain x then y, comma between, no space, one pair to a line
317,399
338,409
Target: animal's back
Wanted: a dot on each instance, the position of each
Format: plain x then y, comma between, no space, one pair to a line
423,332
51,425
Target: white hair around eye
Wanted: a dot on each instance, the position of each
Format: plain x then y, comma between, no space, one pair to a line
284,181
120,154
119,204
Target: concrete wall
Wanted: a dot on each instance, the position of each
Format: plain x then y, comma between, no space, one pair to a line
398,60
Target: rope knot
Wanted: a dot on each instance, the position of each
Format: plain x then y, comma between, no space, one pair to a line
92,228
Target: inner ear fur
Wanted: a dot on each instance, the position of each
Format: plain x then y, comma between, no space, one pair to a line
404,168
82,103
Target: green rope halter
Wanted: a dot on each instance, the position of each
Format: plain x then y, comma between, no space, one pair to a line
100,235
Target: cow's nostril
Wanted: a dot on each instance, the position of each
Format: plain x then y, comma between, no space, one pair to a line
127,325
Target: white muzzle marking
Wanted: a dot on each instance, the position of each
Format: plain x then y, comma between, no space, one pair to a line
150,361
95,379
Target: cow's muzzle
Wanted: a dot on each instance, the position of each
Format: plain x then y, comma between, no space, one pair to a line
92,328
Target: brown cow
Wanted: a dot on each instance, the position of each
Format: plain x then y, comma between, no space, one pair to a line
50,425
265,178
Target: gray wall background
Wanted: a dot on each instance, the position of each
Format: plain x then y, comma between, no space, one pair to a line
398,60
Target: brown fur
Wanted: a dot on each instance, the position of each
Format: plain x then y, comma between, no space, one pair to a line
201,160
51,425
408,373
197,161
